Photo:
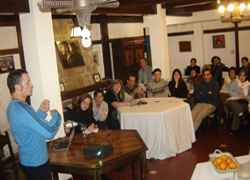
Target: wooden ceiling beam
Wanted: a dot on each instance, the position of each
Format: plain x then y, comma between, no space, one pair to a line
187,11
14,6
128,9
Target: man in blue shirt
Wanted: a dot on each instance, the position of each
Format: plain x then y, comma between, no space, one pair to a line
29,127
206,94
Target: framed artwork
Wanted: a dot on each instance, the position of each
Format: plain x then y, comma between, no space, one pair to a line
185,46
62,87
6,64
219,41
69,53
97,78
95,57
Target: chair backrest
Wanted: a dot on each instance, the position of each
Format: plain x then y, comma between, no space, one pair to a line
5,140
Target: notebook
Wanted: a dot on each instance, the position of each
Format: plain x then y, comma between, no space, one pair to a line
63,145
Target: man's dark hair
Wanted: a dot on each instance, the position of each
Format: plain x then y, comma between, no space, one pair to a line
155,70
232,68
244,58
130,75
212,60
194,60
15,77
98,91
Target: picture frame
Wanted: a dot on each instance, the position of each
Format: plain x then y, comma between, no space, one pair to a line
95,57
69,53
185,46
219,41
97,78
62,87
6,64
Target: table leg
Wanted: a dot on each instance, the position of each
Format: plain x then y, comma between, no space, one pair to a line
134,170
55,175
143,164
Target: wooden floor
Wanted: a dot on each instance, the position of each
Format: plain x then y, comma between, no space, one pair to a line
185,162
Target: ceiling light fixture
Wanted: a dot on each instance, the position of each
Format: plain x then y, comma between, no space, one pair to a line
235,9
82,9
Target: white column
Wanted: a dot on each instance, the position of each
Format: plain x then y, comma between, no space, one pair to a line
199,44
159,41
40,58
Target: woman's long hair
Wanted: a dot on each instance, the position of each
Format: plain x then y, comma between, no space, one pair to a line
81,99
120,95
179,72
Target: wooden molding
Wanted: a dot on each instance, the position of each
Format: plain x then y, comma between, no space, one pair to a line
77,92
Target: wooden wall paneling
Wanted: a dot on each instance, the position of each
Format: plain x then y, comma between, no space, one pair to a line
14,21
105,47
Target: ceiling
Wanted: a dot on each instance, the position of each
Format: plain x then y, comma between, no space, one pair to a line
173,7
127,7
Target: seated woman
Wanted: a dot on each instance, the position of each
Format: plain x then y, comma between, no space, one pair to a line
82,113
177,85
115,97
191,82
178,88
239,93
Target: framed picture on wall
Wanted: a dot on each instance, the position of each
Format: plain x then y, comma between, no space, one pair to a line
97,78
185,46
6,64
62,87
69,53
219,41
95,57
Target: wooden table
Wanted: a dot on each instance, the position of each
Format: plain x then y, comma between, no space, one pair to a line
128,149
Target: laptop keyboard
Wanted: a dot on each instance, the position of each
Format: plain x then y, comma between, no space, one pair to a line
63,144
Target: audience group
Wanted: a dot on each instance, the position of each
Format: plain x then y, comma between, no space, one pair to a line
204,92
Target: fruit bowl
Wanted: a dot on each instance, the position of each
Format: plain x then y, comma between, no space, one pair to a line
217,153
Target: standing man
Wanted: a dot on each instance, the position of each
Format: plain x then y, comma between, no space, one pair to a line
206,94
216,69
246,66
29,128
100,109
132,88
157,87
144,74
192,66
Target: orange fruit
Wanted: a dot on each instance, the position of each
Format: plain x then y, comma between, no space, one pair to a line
227,167
232,165
223,165
228,160
214,161
224,157
218,160
217,166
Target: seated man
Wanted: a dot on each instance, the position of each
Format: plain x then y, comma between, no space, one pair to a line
144,74
132,88
100,109
192,66
206,94
216,69
157,87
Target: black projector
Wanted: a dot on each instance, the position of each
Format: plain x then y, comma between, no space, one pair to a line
98,150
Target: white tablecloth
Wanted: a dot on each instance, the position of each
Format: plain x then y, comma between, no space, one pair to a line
206,171
165,125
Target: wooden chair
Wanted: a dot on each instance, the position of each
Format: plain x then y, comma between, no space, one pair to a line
5,140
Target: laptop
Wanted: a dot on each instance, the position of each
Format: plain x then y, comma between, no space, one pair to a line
63,145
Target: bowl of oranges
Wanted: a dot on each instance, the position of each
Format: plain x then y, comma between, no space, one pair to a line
223,162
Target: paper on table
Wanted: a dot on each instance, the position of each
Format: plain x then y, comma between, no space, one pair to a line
94,131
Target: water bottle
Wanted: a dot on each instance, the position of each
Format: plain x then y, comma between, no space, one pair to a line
70,124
